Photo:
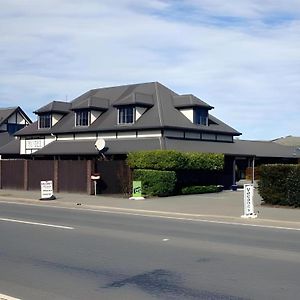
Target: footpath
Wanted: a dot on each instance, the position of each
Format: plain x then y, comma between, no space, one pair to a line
223,207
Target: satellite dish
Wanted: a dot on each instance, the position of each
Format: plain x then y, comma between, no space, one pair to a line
100,144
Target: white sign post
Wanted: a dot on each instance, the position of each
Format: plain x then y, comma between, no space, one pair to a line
248,202
47,190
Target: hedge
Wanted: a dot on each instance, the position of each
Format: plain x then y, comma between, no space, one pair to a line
175,160
280,184
156,183
200,189
293,187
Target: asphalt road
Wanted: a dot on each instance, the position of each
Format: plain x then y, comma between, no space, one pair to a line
96,255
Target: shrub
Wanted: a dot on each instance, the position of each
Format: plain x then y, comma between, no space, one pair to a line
156,183
204,161
157,160
280,184
200,189
293,186
175,160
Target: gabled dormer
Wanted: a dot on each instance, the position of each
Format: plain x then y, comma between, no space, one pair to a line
193,108
88,110
51,113
132,107
13,119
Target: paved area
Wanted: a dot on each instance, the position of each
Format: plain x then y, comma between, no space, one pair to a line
223,206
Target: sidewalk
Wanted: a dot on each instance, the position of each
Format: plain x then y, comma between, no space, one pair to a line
225,206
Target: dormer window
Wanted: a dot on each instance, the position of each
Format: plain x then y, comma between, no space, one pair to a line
45,120
82,118
200,116
126,115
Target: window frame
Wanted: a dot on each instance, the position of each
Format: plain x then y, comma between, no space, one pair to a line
80,119
199,118
45,121
124,117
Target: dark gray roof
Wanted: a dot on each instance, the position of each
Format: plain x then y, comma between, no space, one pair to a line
138,99
5,137
161,115
123,146
95,103
87,147
185,101
56,107
12,147
238,148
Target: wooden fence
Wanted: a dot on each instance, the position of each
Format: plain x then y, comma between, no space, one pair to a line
67,175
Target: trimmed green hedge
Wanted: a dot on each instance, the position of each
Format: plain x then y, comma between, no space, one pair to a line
293,187
200,189
175,160
279,184
156,183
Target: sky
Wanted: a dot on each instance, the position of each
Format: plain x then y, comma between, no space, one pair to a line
240,56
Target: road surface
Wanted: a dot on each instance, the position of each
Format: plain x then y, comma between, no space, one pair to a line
58,253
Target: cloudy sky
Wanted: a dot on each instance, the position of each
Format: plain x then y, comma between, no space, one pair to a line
240,56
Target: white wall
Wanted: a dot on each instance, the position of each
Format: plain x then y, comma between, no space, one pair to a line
189,113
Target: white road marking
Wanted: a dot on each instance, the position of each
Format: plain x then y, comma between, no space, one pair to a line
115,211
35,223
165,240
5,297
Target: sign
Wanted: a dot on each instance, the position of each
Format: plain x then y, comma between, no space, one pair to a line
47,190
35,144
137,189
248,202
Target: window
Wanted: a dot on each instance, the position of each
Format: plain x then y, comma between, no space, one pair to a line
45,121
82,118
200,116
126,115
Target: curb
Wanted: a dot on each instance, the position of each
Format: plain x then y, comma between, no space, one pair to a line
155,213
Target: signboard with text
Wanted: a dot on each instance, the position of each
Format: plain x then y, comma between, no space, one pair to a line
248,201
47,189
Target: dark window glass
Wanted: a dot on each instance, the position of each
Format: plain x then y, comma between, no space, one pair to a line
12,128
200,116
82,118
45,121
126,115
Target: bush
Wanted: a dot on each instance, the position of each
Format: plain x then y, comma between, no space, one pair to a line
156,183
157,160
293,186
280,184
200,189
175,160
204,161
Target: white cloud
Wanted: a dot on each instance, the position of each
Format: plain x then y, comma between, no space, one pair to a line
248,71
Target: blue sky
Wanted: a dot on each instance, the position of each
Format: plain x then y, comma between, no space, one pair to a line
240,56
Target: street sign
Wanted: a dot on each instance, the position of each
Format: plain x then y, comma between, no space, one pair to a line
248,202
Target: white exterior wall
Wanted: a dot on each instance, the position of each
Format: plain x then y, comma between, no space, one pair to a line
108,135
189,113
20,119
126,135
139,111
85,136
28,146
95,115
65,137
56,118
149,133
